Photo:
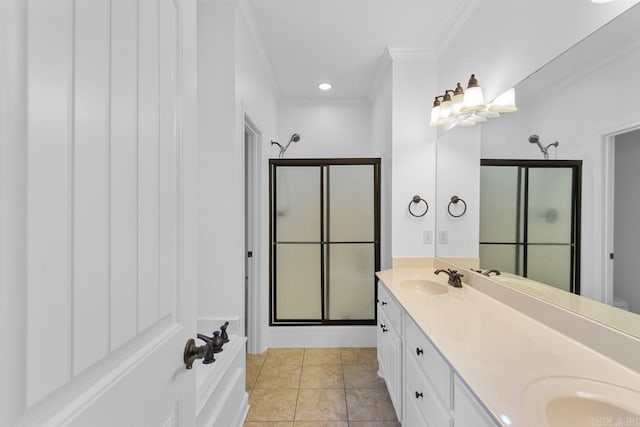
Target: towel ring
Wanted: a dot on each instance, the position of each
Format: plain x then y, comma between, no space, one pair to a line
454,201
415,200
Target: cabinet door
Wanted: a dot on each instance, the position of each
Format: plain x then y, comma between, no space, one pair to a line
412,416
389,360
393,368
380,336
468,412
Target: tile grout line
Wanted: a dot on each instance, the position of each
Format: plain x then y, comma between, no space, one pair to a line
295,410
344,384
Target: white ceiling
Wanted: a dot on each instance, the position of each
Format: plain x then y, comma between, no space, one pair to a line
342,41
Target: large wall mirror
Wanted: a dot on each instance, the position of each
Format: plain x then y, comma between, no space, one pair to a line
588,100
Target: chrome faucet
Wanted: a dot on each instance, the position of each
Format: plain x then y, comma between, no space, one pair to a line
454,277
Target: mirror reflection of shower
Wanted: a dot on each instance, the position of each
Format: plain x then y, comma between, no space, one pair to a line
535,139
294,138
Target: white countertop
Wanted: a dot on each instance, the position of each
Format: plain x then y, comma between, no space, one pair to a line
503,354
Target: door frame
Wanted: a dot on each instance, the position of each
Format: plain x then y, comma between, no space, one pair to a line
608,139
252,313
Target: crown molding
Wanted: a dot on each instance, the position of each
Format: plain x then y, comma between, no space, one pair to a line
247,17
410,53
454,24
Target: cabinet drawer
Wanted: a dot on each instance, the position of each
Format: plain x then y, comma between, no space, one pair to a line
412,416
424,354
420,392
467,410
390,307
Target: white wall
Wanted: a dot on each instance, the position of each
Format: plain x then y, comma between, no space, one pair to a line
414,152
503,42
220,257
326,130
570,114
381,138
627,211
459,175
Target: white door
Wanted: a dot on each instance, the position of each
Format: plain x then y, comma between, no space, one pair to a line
97,212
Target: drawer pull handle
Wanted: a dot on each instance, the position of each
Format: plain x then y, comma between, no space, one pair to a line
384,303
384,329
418,395
419,351
382,325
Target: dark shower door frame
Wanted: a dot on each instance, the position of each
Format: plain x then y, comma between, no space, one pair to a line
324,267
576,206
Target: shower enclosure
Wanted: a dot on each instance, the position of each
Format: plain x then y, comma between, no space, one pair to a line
530,219
324,240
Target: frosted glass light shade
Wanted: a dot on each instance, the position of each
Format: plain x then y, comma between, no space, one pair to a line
505,103
456,104
456,101
435,116
473,100
445,109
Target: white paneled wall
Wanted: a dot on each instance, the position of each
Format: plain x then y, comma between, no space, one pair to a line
110,205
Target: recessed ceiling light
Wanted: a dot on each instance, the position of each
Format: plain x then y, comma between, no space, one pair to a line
601,1
325,86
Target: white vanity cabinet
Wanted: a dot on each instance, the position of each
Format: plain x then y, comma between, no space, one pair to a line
389,339
418,377
467,410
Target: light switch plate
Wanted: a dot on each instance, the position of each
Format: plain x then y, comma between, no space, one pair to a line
427,237
443,237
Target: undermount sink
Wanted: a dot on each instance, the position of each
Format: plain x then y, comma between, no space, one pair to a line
424,287
577,402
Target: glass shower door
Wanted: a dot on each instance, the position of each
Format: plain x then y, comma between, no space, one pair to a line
297,245
325,245
350,242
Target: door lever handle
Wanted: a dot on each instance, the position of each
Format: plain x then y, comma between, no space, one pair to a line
192,352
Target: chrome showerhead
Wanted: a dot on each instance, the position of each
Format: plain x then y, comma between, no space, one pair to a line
294,138
535,139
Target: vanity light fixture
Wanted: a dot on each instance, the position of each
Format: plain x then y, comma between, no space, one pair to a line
325,86
466,108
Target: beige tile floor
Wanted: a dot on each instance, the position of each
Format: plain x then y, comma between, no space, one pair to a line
317,387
